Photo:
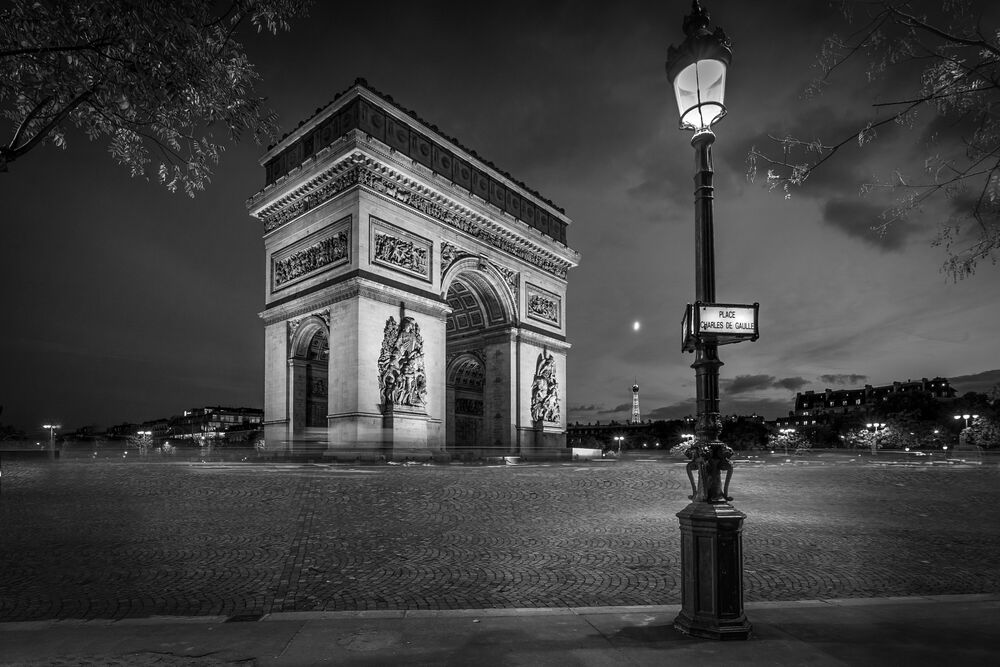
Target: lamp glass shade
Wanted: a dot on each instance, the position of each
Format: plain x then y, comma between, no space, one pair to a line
700,89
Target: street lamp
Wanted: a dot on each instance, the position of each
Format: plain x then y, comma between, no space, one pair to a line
52,438
966,418
875,428
142,436
619,439
711,528
786,433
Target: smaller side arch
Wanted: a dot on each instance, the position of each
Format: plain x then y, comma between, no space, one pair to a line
305,332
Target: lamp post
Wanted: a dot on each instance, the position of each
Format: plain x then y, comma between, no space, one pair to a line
618,440
711,528
142,440
52,438
966,418
875,428
786,433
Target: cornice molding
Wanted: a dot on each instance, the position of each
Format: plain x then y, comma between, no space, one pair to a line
357,167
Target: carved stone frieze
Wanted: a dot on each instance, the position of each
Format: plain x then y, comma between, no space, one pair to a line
449,253
399,252
510,276
330,250
543,305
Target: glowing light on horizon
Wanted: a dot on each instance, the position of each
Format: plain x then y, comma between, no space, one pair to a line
636,325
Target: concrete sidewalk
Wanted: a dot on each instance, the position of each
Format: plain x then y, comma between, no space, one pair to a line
947,630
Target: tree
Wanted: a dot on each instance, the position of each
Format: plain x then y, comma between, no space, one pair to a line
152,78
954,66
141,441
984,432
744,434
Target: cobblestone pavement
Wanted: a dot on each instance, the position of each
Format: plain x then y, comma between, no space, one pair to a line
99,540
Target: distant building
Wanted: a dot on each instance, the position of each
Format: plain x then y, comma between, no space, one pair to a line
813,409
603,435
213,422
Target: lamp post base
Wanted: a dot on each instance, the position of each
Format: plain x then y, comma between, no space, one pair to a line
712,572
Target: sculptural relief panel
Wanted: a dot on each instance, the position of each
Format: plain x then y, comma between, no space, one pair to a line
318,252
543,305
400,250
401,372
545,390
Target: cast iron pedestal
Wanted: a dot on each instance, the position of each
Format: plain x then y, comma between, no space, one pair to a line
712,571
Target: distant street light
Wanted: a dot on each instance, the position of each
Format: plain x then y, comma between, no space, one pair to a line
966,418
52,438
875,428
786,433
619,439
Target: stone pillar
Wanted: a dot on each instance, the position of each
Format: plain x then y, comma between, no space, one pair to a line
297,393
498,399
712,567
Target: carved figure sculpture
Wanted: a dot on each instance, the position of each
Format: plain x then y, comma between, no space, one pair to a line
545,390
709,461
402,379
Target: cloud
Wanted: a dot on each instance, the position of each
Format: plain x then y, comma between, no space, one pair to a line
583,408
844,378
675,411
618,408
742,384
791,384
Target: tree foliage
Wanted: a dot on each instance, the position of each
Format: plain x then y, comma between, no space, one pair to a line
952,63
152,78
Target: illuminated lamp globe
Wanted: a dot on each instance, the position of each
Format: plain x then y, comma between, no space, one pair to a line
697,71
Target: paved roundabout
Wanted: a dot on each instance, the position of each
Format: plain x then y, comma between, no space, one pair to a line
102,540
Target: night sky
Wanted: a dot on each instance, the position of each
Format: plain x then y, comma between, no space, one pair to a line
124,302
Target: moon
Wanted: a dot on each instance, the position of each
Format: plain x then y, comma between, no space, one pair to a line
636,325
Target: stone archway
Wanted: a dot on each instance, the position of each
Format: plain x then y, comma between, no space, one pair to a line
308,377
478,411
379,229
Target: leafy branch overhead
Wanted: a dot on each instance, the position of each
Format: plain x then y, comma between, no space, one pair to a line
152,78
953,65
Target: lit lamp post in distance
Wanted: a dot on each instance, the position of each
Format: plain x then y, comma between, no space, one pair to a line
143,440
52,438
618,441
875,428
966,418
786,433
711,528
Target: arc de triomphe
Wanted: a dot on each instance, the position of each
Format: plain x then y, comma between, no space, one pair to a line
415,295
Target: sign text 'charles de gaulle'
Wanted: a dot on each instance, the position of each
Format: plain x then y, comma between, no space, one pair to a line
719,323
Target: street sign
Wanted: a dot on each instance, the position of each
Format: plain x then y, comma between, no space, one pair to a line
718,323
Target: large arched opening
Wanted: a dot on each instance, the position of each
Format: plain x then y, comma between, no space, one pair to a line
478,411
